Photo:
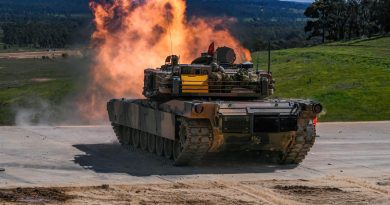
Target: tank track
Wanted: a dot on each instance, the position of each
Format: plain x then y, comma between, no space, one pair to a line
195,145
198,139
299,147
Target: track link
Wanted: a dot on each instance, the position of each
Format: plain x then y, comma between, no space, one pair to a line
299,146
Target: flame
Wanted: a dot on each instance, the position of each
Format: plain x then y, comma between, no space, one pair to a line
132,35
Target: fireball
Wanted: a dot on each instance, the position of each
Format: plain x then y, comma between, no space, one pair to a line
133,35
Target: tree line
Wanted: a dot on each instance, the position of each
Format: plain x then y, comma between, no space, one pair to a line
43,30
37,35
257,21
38,7
44,23
345,19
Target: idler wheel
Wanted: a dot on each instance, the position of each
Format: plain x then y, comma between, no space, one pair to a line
151,143
159,146
135,138
144,141
168,148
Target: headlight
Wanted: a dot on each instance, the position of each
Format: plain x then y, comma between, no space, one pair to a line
317,108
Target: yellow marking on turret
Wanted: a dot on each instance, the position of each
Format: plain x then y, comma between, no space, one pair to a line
195,83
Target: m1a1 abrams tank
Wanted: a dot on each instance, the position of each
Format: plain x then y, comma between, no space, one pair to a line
213,105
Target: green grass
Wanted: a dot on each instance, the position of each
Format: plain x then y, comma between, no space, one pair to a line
19,86
351,79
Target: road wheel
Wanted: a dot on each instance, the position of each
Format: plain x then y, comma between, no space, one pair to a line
168,148
135,138
144,141
130,135
159,146
151,143
126,136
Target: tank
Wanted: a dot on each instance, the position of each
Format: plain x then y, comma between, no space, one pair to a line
214,105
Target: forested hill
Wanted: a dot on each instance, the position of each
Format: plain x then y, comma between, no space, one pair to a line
235,8
257,20
247,8
48,7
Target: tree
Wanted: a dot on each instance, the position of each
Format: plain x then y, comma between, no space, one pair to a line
318,14
340,19
41,35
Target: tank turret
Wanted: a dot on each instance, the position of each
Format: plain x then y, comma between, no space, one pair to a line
213,74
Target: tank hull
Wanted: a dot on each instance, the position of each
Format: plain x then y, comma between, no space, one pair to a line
193,128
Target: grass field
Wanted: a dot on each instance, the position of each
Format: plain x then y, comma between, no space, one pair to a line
351,79
25,83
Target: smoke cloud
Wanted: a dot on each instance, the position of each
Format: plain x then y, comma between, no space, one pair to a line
132,36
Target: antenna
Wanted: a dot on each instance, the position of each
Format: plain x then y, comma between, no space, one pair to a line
269,57
170,32
170,38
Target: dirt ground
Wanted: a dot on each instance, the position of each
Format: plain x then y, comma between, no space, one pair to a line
41,54
323,191
349,164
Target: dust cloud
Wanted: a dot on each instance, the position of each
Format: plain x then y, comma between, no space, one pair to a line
41,112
